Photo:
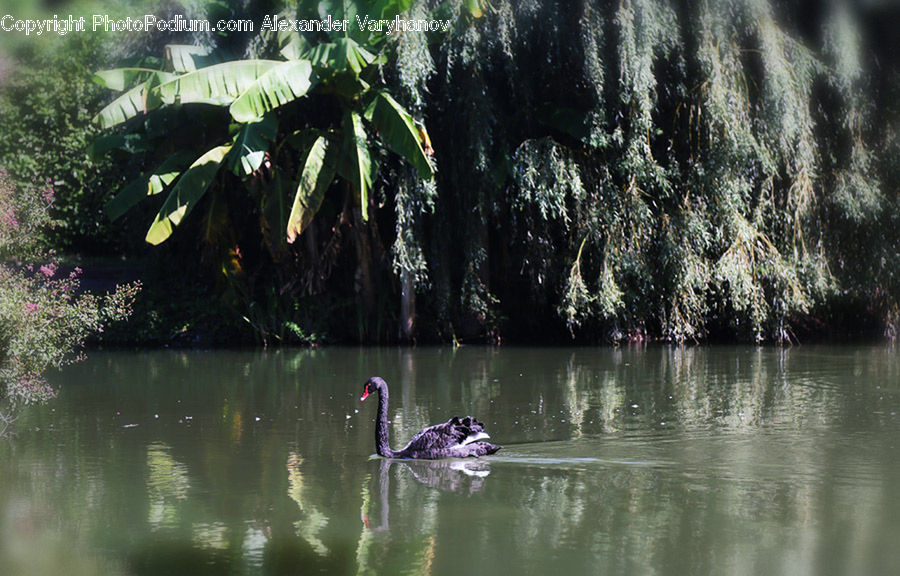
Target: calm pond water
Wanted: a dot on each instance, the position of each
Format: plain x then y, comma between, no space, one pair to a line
616,461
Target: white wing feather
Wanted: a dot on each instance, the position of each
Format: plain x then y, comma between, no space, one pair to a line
474,438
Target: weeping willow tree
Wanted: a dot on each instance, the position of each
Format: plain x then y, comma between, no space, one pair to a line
644,169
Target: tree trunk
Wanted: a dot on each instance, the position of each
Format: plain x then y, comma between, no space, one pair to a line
364,277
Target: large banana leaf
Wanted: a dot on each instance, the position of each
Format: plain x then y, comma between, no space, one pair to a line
187,192
219,84
399,132
279,85
356,164
187,58
147,184
131,194
119,79
293,45
126,106
168,171
138,100
318,172
353,54
340,55
251,144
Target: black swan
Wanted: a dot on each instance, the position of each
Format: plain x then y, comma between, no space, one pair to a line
456,438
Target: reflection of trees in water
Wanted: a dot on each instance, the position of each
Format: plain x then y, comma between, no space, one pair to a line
577,398
607,391
313,521
760,451
167,484
632,519
410,492
412,543
688,513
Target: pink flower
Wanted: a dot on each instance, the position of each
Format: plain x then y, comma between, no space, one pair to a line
49,194
48,270
9,219
31,307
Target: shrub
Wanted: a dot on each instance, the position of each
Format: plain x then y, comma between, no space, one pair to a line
44,319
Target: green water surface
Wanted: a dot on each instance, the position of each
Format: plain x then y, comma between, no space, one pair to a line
682,461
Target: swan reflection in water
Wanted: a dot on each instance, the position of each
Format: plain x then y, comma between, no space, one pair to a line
460,476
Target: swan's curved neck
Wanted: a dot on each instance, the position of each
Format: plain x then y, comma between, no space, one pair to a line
381,425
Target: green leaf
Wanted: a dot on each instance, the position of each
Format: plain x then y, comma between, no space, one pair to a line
301,140
119,79
475,8
123,108
127,197
293,45
147,184
219,84
187,58
340,55
318,172
251,144
353,54
139,100
187,192
399,132
356,164
322,55
279,85
347,85
167,172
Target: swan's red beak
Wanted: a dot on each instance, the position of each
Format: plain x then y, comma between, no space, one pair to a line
364,395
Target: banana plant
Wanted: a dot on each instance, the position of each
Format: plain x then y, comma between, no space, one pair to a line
298,121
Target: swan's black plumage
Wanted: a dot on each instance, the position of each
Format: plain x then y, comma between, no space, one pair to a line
455,438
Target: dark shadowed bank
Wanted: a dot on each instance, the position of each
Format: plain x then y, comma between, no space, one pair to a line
603,171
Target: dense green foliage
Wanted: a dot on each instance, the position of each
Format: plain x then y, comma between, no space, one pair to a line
46,104
605,171
644,168
632,170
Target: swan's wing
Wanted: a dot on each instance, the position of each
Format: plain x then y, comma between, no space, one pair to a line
437,437
474,438
469,429
454,432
